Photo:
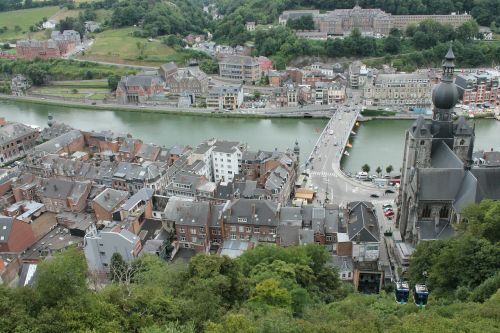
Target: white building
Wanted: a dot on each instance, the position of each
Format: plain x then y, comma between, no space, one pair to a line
225,97
50,24
329,93
100,246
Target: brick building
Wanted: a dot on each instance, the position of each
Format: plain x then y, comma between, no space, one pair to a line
15,140
477,88
138,88
15,235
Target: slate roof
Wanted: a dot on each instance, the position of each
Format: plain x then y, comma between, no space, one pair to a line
343,263
148,152
363,224
109,199
53,146
260,212
289,234
444,158
488,181
239,60
193,213
439,184
62,189
5,227
144,194
429,231
291,216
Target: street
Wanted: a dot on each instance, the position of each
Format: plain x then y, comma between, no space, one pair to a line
324,164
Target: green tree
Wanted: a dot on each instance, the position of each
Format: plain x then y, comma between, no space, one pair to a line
60,278
483,220
467,31
141,47
389,169
209,66
365,168
269,292
256,95
113,81
392,45
379,170
118,268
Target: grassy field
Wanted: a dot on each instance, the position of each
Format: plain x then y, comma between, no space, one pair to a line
81,84
80,92
118,46
63,13
24,19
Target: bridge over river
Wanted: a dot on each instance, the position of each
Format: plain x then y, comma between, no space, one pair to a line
323,164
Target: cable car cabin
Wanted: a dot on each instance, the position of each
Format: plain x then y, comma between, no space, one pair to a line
420,294
402,292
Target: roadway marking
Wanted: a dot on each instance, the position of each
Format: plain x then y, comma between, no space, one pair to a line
323,174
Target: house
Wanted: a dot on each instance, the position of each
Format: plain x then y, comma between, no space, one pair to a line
129,148
49,24
250,220
67,40
148,152
329,93
225,97
136,209
138,88
107,203
191,224
243,68
15,235
363,231
15,140
286,96
62,195
91,26
19,85
99,247
250,26
344,266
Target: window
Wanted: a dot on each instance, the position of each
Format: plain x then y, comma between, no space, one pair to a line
186,246
329,238
242,229
233,236
202,230
214,232
181,230
102,253
426,212
183,239
193,231
194,239
256,230
233,228
349,274
444,212
343,275
248,229
272,230
242,219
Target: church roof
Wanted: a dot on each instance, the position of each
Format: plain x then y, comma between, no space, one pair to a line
488,183
439,184
421,128
443,157
462,127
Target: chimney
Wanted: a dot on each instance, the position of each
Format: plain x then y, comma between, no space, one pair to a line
253,209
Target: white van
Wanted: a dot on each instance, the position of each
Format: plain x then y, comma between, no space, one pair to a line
362,175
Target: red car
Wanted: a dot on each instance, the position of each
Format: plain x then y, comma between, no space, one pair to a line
389,213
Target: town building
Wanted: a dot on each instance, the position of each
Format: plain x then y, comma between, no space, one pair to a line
49,24
107,203
225,97
63,195
99,247
67,40
190,79
438,178
329,93
369,21
15,235
15,141
243,68
358,74
286,96
138,88
477,88
19,85
42,49
191,224
398,90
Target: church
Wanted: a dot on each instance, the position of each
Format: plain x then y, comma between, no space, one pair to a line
438,178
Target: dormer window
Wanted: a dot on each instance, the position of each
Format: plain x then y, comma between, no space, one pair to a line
242,219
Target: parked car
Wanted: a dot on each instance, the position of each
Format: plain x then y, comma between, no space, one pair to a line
374,195
386,206
389,191
389,213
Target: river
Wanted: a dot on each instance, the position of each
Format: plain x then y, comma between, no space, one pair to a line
377,143
165,129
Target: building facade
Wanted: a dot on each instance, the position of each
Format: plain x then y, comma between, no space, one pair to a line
477,88
244,68
413,90
15,141
225,97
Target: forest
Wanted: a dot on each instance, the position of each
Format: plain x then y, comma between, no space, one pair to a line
267,289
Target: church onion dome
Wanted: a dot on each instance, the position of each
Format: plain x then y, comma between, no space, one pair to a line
445,95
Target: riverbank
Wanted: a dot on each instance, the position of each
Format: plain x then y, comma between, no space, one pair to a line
129,108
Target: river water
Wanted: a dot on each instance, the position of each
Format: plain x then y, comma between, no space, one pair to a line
377,142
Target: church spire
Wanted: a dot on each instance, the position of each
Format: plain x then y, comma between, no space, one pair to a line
448,66
445,94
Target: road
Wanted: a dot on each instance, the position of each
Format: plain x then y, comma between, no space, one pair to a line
327,178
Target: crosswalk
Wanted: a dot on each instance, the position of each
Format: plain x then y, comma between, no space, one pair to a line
323,174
